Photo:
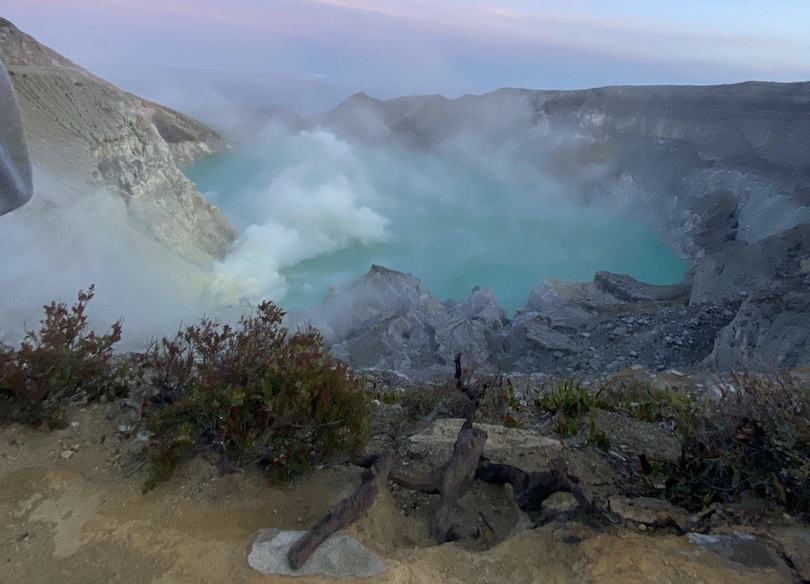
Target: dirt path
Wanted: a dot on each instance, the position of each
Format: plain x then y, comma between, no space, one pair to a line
80,520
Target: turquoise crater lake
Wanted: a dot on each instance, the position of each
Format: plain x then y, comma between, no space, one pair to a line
315,211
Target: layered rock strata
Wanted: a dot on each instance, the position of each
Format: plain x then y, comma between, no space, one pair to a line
85,131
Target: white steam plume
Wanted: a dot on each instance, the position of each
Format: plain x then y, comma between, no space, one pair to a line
317,205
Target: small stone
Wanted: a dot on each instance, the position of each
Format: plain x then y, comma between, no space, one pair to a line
738,547
648,511
340,556
620,331
558,354
67,454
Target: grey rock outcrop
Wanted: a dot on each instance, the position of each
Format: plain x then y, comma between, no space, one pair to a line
390,320
738,547
86,131
772,326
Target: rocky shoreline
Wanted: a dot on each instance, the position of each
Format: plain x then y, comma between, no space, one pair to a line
390,320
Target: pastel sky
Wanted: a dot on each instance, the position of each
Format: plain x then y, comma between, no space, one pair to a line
310,54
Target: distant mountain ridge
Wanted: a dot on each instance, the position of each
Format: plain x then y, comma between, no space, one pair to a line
657,154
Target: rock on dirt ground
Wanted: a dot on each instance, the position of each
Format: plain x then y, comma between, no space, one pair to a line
83,519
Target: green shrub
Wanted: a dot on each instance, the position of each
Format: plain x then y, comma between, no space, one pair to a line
756,438
252,394
568,402
647,403
58,362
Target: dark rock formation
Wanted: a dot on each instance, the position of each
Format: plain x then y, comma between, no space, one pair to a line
389,320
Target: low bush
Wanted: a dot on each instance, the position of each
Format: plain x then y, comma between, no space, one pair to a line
252,394
59,362
755,438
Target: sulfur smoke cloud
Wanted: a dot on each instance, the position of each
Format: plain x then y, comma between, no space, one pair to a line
67,238
316,208
316,205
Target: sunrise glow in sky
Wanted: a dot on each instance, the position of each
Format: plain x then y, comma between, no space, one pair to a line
310,54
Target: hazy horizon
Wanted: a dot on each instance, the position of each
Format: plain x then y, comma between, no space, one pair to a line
309,55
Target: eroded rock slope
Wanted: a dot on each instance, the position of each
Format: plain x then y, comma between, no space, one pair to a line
86,131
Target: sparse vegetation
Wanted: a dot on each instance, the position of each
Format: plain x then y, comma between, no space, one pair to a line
255,394
755,437
59,362
252,394
567,403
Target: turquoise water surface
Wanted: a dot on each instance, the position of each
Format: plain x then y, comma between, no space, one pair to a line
315,212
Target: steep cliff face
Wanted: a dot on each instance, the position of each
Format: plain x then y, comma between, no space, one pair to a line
85,130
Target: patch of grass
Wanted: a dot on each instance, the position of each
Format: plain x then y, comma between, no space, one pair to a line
252,394
647,403
59,362
498,401
596,436
567,403
422,401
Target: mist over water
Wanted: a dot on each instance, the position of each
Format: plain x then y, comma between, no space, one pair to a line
314,211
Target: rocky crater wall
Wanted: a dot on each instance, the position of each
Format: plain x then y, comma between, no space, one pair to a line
86,131
721,173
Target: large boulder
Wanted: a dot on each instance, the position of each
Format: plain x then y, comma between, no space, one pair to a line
740,267
771,329
390,320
